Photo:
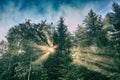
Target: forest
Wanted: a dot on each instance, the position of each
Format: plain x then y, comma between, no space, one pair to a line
42,51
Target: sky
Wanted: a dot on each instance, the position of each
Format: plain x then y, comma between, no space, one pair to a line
13,12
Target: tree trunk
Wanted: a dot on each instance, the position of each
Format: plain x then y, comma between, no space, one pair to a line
30,67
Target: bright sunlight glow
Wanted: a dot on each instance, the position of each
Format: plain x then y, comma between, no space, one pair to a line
47,49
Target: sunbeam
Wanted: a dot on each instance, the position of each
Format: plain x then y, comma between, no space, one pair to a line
95,61
47,49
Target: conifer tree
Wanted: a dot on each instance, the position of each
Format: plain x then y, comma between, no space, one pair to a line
81,39
58,64
94,25
114,20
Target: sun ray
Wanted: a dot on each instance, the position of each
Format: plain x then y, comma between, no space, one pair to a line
47,49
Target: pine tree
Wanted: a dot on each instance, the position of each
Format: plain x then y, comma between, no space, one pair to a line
114,20
64,45
58,64
114,36
81,39
95,33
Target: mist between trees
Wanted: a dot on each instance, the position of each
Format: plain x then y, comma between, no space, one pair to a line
47,52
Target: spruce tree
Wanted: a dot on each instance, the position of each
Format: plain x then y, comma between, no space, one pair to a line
81,39
58,64
114,20
94,25
114,35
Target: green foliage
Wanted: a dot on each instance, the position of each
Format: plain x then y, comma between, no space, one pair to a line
3,47
95,33
114,34
82,73
63,36
20,52
114,21
81,37
57,64
115,76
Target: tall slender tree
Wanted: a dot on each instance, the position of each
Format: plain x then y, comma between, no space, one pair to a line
114,20
58,64
94,26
